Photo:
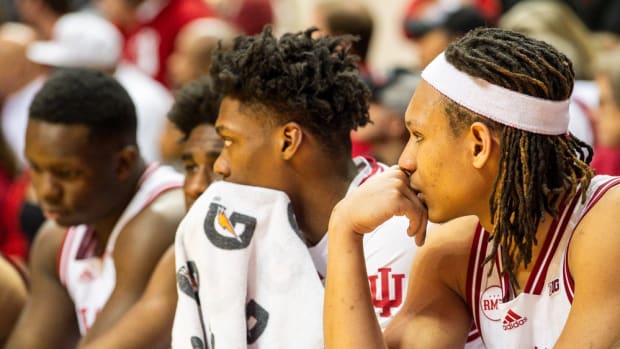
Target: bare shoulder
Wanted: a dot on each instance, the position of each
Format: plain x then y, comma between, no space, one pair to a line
163,214
168,205
153,229
597,231
46,246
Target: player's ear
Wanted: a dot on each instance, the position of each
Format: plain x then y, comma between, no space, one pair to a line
126,159
480,140
291,136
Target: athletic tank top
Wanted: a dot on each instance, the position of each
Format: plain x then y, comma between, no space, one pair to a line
535,318
388,252
90,279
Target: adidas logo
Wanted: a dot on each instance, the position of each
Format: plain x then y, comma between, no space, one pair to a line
513,320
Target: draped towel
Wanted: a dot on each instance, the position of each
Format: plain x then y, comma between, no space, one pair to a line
245,278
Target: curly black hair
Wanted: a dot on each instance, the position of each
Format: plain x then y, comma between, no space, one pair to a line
76,96
195,103
536,172
312,81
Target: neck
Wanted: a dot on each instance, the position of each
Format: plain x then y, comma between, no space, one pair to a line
127,190
320,191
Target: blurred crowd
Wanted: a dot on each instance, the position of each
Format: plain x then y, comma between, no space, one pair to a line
155,47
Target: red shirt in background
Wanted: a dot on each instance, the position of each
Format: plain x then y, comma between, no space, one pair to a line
149,44
606,161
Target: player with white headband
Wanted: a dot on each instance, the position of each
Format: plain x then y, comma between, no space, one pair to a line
528,246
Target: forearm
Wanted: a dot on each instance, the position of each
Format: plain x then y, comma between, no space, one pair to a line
349,317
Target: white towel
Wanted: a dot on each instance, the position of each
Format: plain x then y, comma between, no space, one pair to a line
244,276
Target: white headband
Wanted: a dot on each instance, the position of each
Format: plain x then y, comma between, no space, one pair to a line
497,103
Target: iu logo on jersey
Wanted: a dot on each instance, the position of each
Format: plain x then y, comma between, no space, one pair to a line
232,232
383,301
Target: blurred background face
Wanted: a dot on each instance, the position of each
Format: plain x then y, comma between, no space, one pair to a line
385,123
200,151
607,115
431,45
15,69
10,53
118,11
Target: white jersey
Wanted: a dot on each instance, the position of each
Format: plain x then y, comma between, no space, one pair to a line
536,317
388,250
90,279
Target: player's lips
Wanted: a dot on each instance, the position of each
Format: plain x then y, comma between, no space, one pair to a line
419,195
52,213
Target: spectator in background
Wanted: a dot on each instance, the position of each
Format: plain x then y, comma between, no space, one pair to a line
190,60
435,10
86,40
387,134
350,18
42,14
193,47
150,28
433,36
606,158
598,15
557,24
20,79
249,16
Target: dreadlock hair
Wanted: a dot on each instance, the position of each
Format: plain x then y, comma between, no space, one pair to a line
536,172
194,104
313,82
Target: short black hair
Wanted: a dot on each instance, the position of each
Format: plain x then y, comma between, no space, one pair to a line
195,103
311,81
77,96
59,7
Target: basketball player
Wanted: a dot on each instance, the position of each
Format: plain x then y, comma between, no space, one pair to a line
148,323
288,107
534,264
110,215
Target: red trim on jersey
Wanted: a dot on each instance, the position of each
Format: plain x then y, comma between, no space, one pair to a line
88,244
598,194
475,271
60,261
569,283
473,334
541,258
374,168
504,279
568,212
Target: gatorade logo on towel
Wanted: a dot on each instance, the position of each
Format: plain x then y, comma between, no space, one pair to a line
228,232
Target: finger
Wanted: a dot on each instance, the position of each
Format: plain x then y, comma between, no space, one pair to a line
420,236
